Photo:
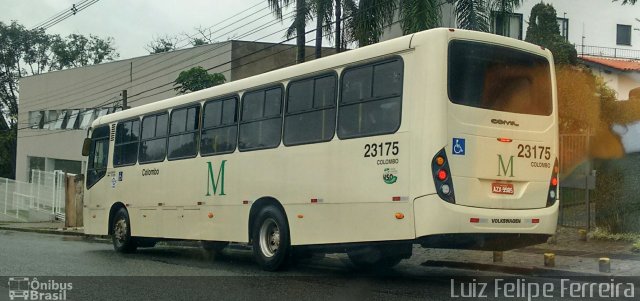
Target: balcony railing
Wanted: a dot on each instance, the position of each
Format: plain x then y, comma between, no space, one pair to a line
608,52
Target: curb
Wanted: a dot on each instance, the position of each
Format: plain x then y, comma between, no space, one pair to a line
43,231
529,271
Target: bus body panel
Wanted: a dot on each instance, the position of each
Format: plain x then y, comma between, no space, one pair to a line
340,191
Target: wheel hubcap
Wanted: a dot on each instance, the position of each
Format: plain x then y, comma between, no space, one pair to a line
269,237
120,230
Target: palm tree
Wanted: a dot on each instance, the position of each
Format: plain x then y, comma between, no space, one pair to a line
323,11
472,14
418,15
299,22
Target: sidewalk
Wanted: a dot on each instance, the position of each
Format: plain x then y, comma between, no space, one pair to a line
573,257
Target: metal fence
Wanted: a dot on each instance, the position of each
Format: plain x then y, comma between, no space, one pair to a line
42,199
577,208
608,52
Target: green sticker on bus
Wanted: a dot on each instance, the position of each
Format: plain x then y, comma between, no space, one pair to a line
389,175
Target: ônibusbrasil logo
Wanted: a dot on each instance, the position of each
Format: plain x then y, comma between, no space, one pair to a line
24,288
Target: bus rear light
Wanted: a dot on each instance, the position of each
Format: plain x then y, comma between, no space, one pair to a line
553,185
505,139
396,198
535,220
314,200
474,220
442,177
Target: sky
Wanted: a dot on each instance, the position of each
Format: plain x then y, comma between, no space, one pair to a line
135,23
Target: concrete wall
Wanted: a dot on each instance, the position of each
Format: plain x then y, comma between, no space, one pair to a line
147,79
251,58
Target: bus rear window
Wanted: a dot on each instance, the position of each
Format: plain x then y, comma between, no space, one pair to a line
499,78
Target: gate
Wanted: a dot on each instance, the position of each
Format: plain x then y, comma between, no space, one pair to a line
42,199
578,182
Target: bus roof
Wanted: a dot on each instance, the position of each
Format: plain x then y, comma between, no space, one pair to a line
319,65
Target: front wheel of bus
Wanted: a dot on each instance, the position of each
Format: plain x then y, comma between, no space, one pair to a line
121,233
270,238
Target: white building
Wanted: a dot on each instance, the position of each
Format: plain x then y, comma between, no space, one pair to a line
55,108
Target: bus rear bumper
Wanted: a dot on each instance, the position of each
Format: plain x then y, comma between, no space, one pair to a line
444,225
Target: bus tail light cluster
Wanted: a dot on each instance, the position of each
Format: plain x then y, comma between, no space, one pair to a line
553,185
442,177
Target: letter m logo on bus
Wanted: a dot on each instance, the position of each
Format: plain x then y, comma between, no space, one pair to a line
502,169
215,182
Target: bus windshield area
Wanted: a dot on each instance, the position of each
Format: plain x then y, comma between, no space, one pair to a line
498,78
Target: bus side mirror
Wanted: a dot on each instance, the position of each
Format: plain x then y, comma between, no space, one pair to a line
86,146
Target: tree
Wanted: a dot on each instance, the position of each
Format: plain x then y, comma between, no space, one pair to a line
472,14
300,18
197,78
543,30
162,44
26,52
323,11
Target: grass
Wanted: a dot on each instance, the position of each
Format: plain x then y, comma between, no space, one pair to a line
601,234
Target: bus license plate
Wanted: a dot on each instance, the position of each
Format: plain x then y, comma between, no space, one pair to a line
502,188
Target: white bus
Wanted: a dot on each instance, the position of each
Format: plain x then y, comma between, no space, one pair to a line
445,138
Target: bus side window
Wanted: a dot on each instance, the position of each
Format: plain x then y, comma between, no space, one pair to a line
219,126
261,120
126,145
98,156
153,144
371,99
310,114
183,133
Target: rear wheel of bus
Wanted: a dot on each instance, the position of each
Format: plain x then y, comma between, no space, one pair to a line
270,239
121,233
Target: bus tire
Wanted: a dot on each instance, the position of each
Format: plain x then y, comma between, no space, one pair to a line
374,258
121,229
270,239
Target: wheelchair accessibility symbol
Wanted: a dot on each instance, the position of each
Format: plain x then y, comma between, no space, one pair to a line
458,146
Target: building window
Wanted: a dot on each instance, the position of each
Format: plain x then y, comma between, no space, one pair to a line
61,121
370,100
153,145
219,126
72,122
311,110
126,145
623,35
86,118
507,24
261,120
183,133
36,119
563,23
51,117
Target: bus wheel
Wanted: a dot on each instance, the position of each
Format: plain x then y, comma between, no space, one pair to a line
270,238
121,229
374,258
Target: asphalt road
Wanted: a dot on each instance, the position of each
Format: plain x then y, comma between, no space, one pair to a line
96,272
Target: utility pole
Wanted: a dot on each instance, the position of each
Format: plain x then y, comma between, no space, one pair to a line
124,100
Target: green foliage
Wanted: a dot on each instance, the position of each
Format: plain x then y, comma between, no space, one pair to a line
543,30
300,18
162,44
26,52
418,15
472,14
197,78
8,153
77,50
603,234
